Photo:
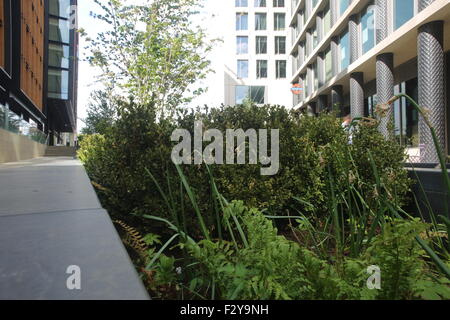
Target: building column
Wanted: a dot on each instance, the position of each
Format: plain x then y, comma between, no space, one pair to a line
424,3
385,90
335,55
431,87
334,11
322,103
357,95
337,99
354,38
381,20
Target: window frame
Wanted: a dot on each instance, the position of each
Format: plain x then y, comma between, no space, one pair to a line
277,69
238,42
258,45
239,21
260,14
259,69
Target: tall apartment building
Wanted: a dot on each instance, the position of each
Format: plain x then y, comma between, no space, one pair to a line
38,72
257,57
352,55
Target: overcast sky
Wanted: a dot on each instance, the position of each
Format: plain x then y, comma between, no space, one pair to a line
210,18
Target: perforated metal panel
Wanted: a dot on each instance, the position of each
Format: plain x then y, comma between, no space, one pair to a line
357,94
335,55
354,38
381,19
385,89
334,12
424,3
431,87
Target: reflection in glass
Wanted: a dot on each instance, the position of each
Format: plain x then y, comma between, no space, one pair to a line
242,45
59,8
368,29
58,55
257,94
58,84
404,11
260,21
261,45
241,21
280,45
279,21
241,3
241,94
261,68
345,50
281,69
59,30
242,69
343,5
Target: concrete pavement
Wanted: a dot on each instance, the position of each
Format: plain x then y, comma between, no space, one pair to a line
51,219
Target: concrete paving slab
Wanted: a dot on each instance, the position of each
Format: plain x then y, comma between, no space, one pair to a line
50,219
45,184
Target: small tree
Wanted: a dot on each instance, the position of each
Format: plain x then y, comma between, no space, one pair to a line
152,52
101,112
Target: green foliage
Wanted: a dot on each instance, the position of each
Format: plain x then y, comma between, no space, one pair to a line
152,52
101,113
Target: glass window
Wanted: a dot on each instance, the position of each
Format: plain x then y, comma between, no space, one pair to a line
241,3
59,8
344,45
315,75
403,11
328,65
281,69
260,21
254,93
405,116
279,21
241,93
58,55
257,94
242,68
326,21
368,29
58,84
59,30
314,3
261,45
260,3
280,45
261,68
241,21
278,3
315,36
241,45
343,5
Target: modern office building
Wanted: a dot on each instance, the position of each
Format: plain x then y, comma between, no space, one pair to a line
38,72
257,57
351,55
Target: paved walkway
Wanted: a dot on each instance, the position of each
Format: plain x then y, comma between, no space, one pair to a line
50,219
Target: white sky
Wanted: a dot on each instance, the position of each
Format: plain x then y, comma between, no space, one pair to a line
209,18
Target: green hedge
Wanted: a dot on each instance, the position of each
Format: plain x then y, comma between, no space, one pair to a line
310,148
